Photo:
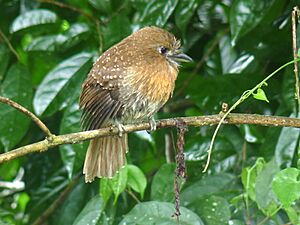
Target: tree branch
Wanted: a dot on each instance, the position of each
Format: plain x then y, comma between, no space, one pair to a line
35,119
53,141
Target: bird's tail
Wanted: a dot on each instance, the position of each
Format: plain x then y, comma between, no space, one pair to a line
105,156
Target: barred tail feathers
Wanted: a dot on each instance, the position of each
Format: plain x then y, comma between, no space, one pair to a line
105,156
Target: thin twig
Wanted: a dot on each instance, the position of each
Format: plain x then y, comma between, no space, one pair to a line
133,195
9,45
190,121
180,171
295,13
244,96
35,119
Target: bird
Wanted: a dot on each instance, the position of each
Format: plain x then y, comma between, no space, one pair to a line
128,83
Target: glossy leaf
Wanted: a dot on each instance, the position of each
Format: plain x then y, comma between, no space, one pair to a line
163,183
136,179
118,28
214,210
184,12
249,175
246,15
76,33
91,212
33,18
206,186
17,87
73,204
105,189
157,12
148,213
4,59
72,155
286,146
286,186
118,182
265,197
57,87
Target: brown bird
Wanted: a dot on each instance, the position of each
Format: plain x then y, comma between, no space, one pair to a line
129,82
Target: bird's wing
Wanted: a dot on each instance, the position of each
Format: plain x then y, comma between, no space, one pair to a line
100,99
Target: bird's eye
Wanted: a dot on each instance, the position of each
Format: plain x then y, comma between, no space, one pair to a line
163,50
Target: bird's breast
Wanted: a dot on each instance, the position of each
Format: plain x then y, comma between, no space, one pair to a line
146,90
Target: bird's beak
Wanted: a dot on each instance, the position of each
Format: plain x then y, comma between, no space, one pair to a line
180,57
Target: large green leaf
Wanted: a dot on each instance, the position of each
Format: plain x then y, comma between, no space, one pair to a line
149,213
213,184
46,193
136,179
4,59
73,204
33,18
72,154
286,186
14,124
157,12
287,145
214,210
60,83
117,29
265,197
184,12
91,212
61,42
246,15
162,188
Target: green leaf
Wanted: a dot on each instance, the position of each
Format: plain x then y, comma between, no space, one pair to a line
91,212
61,42
149,213
157,12
60,83
73,204
46,193
287,144
246,15
117,29
72,155
162,188
249,175
119,182
105,189
260,95
206,186
17,87
33,18
293,215
4,59
136,179
286,186
265,197
214,210
184,12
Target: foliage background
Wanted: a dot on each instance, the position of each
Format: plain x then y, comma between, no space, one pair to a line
253,177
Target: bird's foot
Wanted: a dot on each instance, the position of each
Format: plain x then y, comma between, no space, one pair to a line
152,124
120,127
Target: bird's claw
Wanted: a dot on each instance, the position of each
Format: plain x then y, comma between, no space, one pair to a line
152,124
120,128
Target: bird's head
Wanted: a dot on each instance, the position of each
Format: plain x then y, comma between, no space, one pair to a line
156,43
